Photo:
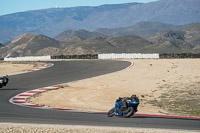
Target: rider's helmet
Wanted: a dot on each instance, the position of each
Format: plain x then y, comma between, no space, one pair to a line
133,96
120,98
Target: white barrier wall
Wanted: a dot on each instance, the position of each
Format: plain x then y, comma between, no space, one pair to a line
28,58
100,56
128,56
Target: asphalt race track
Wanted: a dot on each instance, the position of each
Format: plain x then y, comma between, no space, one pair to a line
66,71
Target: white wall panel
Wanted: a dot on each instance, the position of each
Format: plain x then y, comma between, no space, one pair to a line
28,58
128,56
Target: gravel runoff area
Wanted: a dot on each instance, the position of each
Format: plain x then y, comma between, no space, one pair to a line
164,86
34,128
17,67
161,78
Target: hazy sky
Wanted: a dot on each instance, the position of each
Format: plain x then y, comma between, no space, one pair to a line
12,6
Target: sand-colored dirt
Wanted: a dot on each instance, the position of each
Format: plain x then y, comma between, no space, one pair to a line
147,78
11,68
42,128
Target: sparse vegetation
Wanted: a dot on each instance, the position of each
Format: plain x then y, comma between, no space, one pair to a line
180,99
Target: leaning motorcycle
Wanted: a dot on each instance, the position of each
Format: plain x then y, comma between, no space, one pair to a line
3,81
125,111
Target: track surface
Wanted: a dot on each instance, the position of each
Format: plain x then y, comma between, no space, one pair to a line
63,72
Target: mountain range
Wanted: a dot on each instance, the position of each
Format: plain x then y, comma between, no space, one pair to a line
64,36
51,22
186,39
143,29
29,44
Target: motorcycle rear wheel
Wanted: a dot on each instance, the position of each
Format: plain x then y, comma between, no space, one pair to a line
111,112
129,112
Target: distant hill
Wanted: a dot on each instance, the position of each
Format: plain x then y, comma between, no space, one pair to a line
189,34
186,39
142,29
29,44
80,33
53,21
192,34
127,44
35,45
173,46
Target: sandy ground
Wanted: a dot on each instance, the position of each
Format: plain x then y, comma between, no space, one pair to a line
11,68
148,79
34,128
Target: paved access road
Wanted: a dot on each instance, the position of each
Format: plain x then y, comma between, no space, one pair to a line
66,71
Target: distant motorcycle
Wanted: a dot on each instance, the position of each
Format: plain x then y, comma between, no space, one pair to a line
3,81
124,107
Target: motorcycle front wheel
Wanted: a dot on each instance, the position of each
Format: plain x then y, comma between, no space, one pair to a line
111,112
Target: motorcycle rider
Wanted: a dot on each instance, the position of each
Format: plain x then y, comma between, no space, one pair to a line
134,98
118,105
3,81
122,103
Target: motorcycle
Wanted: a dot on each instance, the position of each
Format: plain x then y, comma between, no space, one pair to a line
3,81
124,107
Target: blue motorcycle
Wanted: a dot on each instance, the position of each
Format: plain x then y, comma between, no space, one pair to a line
124,107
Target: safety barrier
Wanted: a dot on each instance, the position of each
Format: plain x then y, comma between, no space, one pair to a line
87,56
128,56
179,55
107,56
28,58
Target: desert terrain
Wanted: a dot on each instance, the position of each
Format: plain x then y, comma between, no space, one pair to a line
12,68
164,86
152,80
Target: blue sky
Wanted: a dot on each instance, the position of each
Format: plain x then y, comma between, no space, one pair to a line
12,6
